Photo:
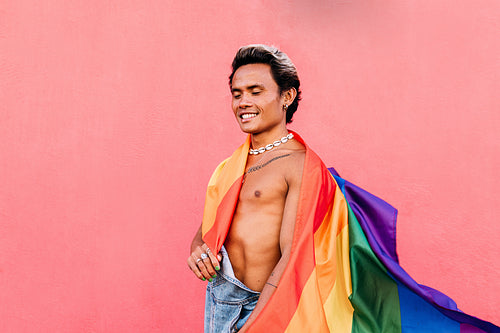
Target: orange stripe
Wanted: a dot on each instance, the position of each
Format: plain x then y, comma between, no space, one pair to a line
215,236
212,199
223,187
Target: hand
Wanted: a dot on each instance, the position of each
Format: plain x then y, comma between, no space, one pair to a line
204,263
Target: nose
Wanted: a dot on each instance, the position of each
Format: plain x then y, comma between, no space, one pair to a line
245,101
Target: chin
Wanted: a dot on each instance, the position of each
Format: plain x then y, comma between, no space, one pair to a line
248,129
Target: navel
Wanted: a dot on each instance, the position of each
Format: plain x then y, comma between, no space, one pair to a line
257,194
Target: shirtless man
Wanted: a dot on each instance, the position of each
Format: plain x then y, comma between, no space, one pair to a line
265,94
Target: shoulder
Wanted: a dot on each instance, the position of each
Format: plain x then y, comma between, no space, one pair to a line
296,159
295,165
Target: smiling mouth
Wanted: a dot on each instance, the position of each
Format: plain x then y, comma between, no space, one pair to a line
245,116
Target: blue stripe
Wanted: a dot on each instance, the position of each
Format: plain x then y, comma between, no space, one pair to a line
419,316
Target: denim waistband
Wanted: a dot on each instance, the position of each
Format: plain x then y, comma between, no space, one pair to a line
228,302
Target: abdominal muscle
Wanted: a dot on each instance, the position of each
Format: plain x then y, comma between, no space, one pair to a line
253,241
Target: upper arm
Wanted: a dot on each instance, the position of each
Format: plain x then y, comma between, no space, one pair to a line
294,181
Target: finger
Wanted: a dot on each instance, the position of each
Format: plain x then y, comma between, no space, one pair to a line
208,261
210,268
214,259
203,269
192,265
205,265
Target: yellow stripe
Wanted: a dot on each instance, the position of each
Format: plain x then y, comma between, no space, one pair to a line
324,242
309,316
336,314
337,305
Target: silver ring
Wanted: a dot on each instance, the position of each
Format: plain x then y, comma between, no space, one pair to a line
204,256
208,251
198,260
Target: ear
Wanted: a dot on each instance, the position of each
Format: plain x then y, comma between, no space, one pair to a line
289,96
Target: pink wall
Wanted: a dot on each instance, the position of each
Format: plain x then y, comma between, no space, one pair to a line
113,115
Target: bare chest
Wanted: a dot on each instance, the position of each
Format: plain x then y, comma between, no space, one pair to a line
265,183
259,212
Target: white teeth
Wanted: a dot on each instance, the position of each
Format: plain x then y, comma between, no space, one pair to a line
248,115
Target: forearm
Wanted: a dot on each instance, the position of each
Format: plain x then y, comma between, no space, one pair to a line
197,240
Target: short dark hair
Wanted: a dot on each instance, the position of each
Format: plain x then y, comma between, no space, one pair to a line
283,70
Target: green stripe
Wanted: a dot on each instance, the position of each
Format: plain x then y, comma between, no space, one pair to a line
374,297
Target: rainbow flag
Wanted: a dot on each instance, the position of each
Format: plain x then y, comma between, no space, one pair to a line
343,274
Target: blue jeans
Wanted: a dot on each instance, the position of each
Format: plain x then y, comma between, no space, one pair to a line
228,302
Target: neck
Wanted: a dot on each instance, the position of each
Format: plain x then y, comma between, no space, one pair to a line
265,138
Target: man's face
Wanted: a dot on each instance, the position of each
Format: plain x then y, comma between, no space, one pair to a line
257,103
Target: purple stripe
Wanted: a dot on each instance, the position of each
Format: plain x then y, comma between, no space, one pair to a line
466,328
378,221
374,215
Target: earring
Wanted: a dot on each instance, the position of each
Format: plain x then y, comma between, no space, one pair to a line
285,107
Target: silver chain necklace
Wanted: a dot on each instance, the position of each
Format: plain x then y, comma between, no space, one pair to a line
271,145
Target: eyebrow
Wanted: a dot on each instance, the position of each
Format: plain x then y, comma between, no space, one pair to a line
253,86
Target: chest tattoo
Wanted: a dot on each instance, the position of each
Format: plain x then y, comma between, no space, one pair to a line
260,166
